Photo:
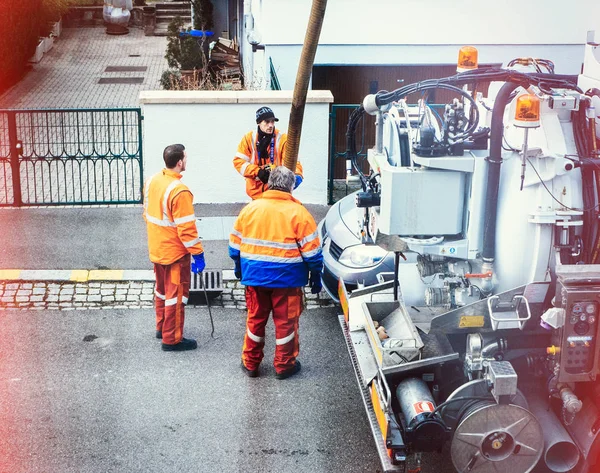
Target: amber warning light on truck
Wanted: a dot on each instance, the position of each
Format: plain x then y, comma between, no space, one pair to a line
527,112
467,59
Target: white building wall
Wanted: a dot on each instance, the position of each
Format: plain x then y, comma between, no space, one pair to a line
566,57
211,124
393,32
434,22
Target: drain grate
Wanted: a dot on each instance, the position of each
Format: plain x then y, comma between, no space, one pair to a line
121,80
212,280
126,69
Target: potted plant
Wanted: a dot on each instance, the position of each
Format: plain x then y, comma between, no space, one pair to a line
49,16
184,53
57,28
39,51
48,42
203,16
203,22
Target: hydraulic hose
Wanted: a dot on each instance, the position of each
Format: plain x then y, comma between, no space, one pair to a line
494,163
513,79
311,40
545,81
355,117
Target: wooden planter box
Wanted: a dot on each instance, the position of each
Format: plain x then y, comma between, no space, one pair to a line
39,52
57,28
48,43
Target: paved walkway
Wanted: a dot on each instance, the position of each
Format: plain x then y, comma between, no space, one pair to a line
68,75
103,238
97,258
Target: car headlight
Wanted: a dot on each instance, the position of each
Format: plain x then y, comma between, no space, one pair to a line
362,256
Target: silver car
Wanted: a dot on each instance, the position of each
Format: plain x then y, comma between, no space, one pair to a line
344,256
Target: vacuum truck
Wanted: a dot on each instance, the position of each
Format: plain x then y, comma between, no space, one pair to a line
483,343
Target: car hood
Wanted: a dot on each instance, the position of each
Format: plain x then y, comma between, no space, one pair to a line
343,222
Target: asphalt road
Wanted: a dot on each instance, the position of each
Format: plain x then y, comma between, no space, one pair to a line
118,403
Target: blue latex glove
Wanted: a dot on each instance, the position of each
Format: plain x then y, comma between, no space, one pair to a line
298,181
198,263
315,283
238,269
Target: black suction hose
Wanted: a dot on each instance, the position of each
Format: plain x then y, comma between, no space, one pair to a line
494,163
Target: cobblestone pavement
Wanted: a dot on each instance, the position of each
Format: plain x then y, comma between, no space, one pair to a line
68,75
69,295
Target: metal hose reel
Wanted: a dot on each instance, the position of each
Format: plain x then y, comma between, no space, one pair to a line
491,437
497,438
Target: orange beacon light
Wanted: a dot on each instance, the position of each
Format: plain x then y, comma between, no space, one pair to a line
527,111
467,59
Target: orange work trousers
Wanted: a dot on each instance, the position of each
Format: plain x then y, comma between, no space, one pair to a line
170,296
287,305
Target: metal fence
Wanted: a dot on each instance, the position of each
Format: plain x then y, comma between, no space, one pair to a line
70,157
274,79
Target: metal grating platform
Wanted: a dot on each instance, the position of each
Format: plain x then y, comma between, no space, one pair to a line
435,345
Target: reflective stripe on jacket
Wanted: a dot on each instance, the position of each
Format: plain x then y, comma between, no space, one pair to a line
246,161
170,219
276,239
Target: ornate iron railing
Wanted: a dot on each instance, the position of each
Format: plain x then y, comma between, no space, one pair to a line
70,157
275,85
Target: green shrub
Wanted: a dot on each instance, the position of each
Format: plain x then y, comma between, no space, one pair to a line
50,12
22,23
203,15
183,52
170,79
19,24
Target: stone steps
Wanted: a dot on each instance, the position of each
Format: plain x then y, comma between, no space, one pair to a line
167,11
171,4
183,13
168,18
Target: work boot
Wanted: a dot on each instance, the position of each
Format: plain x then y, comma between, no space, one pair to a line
289,372
184,344
159,334
249,373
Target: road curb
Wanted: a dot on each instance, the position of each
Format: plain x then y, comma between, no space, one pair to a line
109,289
76,275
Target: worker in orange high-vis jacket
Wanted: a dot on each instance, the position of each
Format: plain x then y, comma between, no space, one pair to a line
275,245
261,151
172,242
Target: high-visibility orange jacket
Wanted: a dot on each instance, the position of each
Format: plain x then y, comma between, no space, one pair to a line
276,240
170,219
247,161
